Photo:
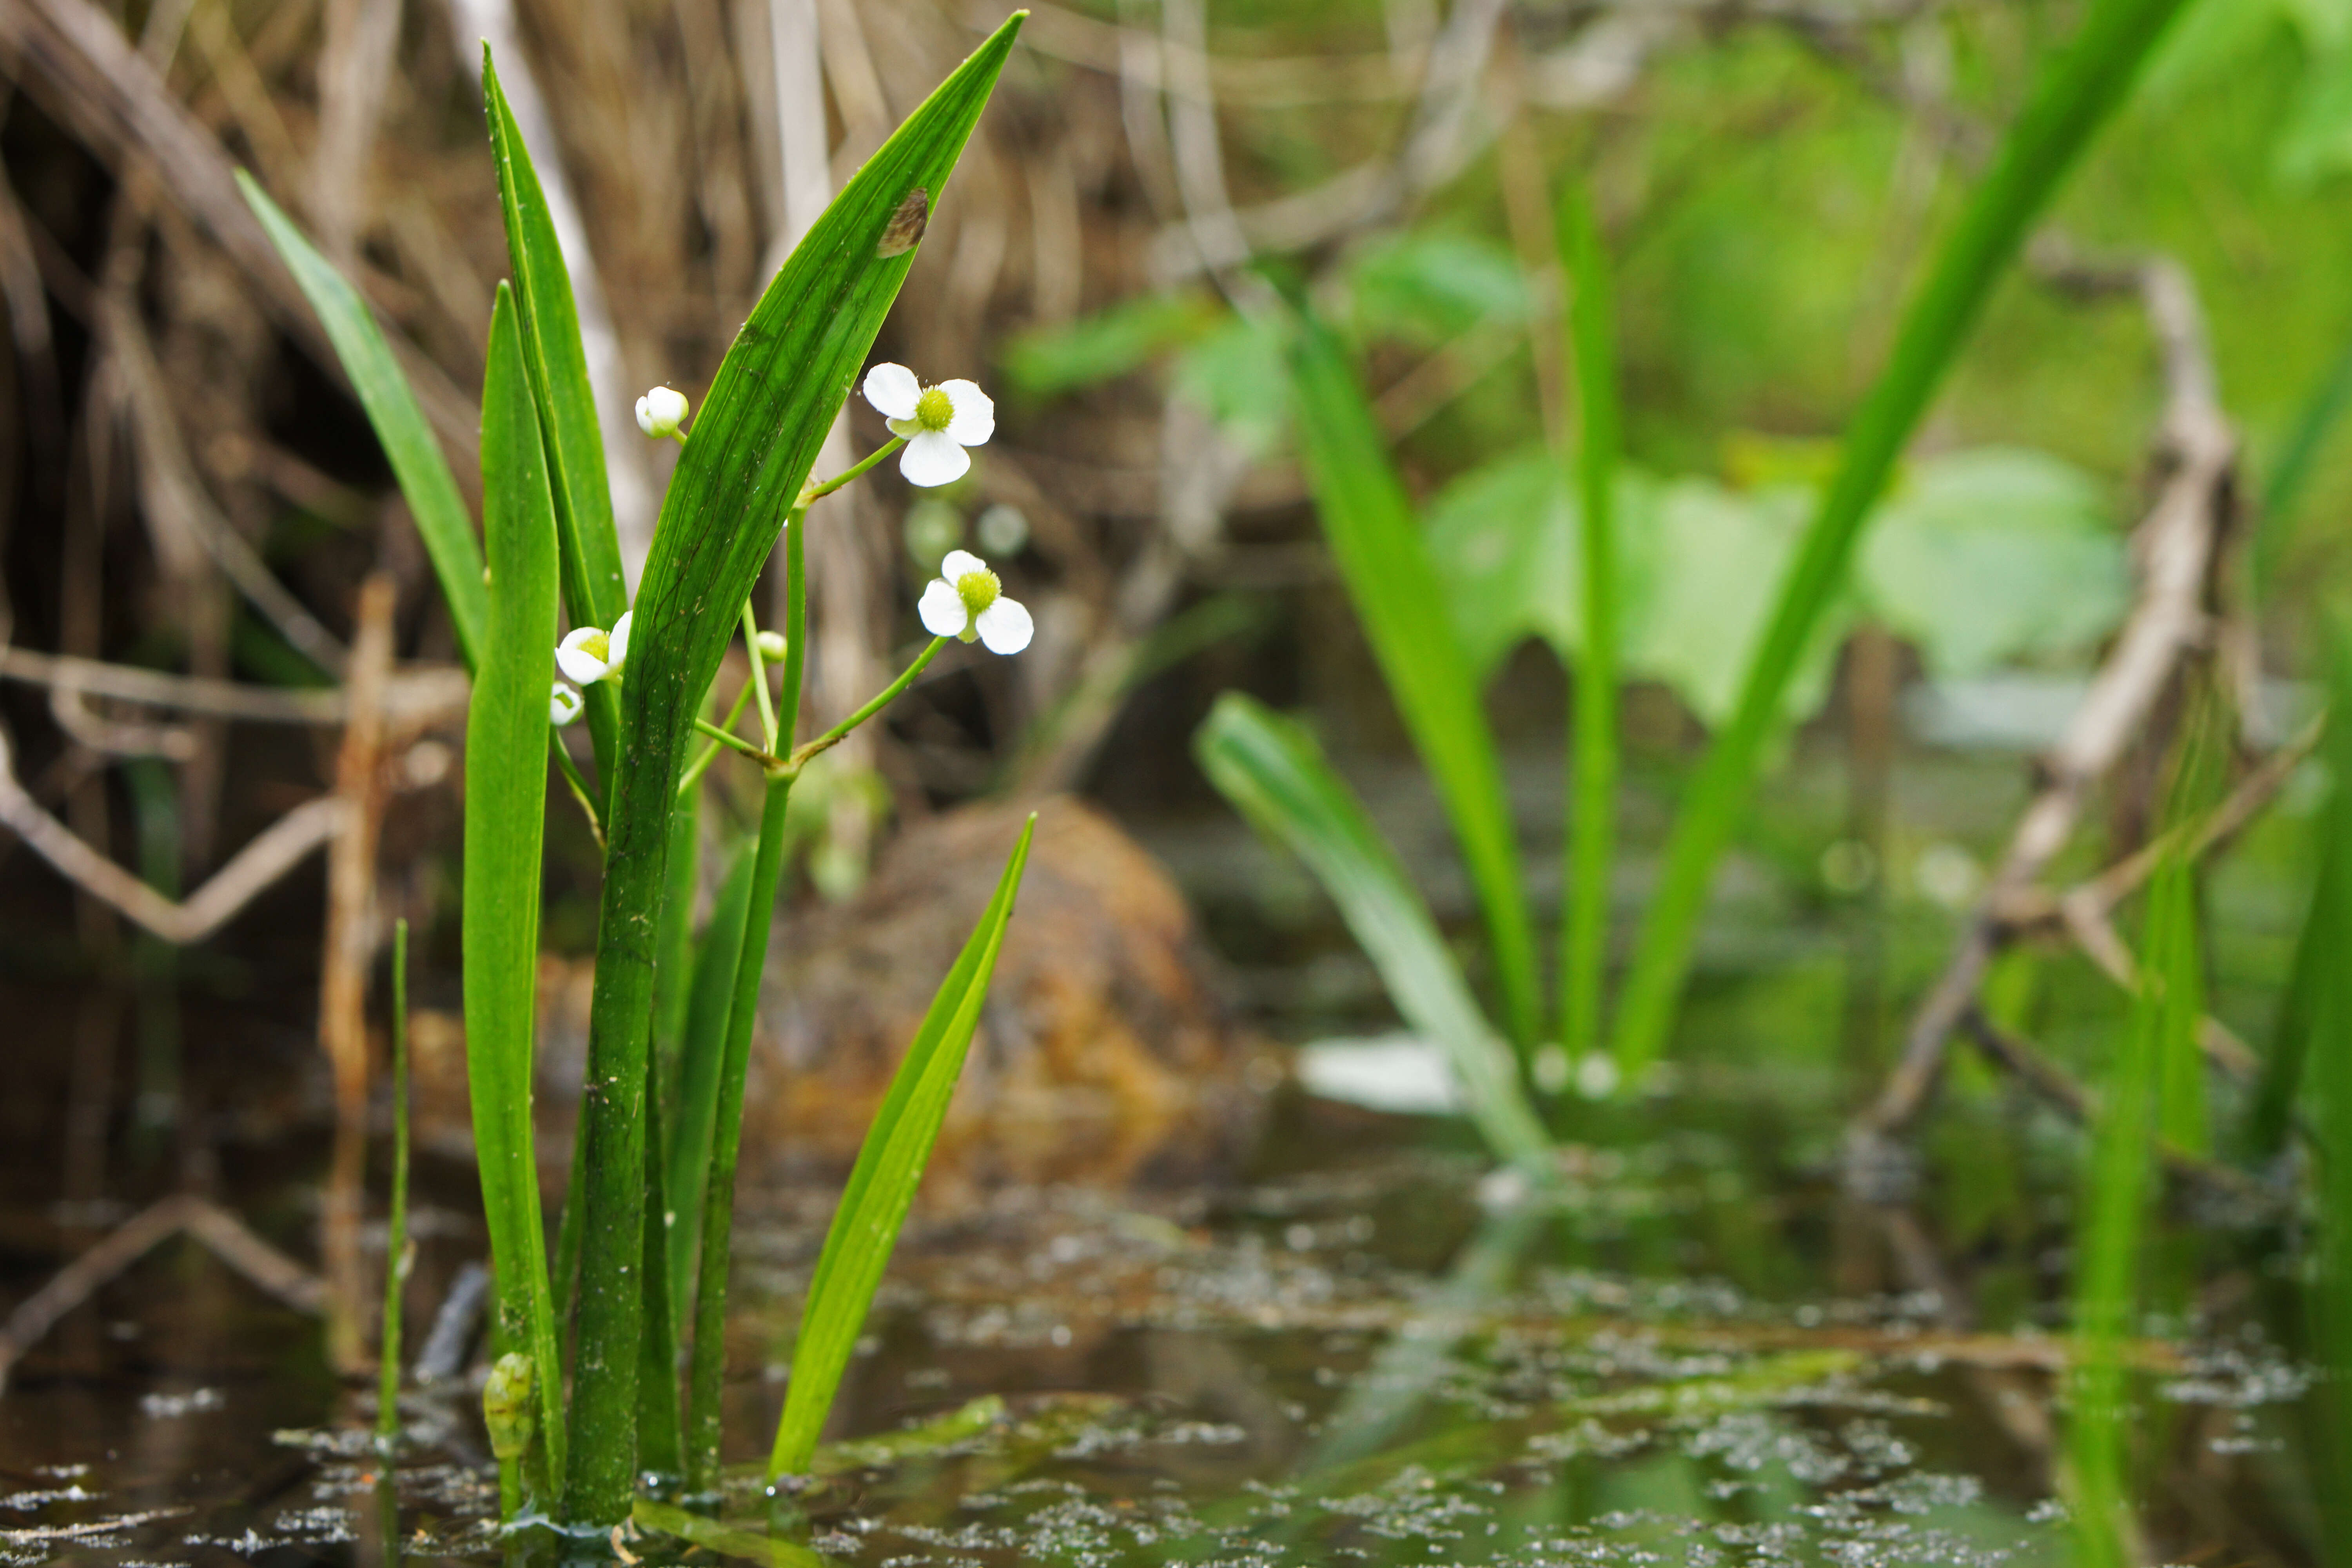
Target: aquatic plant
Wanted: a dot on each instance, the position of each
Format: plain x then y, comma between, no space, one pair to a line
573,1440
1387,563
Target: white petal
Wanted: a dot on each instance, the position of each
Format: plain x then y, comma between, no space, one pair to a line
1006,626
942,609
893,389
975,415
646,415
574,658
580,664
563,704
904,429
931,459
960,564
620,651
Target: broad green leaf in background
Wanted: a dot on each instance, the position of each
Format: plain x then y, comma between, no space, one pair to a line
1045,362
425,482
593,589
761,425
506,814
1696,567
1502,537
1426,286
1717,558
882,1185
1998,553
1235,375
1273,773
1980,558
1384,560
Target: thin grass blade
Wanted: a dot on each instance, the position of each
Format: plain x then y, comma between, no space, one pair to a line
2076,94
1592,833
1382,556
506,812
2327,1103
1274,774
426,482
882,1185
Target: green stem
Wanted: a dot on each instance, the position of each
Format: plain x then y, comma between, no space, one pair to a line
579,790
707,1371
759,674
839,732
726,738
2073,98
702,764
658,1442
1590,842
817,492
397,1259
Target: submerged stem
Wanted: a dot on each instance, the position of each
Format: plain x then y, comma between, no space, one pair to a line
395,1250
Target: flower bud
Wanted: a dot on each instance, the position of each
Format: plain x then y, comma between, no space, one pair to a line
507,1408
661,411
772,647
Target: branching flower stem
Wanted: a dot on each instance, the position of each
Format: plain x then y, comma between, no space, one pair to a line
701,765
579,786
759,675
839,732
818,493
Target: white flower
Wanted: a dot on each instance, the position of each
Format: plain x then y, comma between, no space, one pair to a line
588,655
660,411
939,422
564,705
966,601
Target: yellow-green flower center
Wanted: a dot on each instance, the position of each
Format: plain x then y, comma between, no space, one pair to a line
597,646
934,409
978,590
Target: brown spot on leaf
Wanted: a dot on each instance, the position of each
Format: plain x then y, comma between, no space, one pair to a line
907,225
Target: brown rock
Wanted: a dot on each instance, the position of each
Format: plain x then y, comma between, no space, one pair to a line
1103,1056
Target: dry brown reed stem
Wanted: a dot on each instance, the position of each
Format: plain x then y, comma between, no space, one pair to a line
2178,547
73,58
222,1232
344,958
2056,1085
270,855
414,698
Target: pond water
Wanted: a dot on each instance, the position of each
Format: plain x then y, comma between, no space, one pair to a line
1693,1349
1690,1352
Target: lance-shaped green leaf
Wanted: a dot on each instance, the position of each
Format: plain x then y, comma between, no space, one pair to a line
590,550
506,814
425,482
1274,774
760,427
1392,580
889,1167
